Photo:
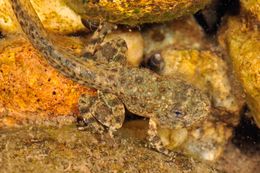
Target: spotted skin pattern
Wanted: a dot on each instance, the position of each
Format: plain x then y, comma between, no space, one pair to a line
168,102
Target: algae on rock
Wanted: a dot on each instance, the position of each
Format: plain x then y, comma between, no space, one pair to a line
136,12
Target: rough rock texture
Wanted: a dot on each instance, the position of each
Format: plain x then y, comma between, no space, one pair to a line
136,12
30,88
54,14
176,34
252,7
65,149
240,37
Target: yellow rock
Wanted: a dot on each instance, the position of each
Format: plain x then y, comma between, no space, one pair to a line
241,38
54,14
176,34
252,7
135,12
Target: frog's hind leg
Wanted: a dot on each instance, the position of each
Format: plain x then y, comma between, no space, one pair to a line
101,112
97,38
112,51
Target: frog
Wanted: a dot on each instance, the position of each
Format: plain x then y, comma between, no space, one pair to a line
168,103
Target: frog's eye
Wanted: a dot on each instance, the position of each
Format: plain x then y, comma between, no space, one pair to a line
178,113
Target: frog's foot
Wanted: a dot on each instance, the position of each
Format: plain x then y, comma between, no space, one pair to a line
101,112
112,51
86,121
97,38
155,141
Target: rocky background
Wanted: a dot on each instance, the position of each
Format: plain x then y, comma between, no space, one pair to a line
217,51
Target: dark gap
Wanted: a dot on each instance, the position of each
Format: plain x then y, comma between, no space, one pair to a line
247,135
210,18
1,35
130,116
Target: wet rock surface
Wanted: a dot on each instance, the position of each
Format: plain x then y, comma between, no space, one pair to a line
59,149
31,90
135,12
240,37
55,16
44,103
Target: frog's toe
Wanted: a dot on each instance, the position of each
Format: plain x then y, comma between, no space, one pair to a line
98,36
88,122
155,141
109,111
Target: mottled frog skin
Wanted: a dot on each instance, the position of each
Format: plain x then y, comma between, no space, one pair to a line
168,102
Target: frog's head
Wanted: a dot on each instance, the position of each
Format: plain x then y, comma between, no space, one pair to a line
190,106
188,110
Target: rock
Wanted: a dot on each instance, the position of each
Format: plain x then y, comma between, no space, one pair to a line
240,37
55,16
135,12
66,149
30,89
176,34
252,7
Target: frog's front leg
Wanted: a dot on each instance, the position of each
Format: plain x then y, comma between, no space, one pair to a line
101,112
154,139
165,141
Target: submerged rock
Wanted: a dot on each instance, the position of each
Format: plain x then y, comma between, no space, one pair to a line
55,16
135,12
30,89
66,149
240,36
252,7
